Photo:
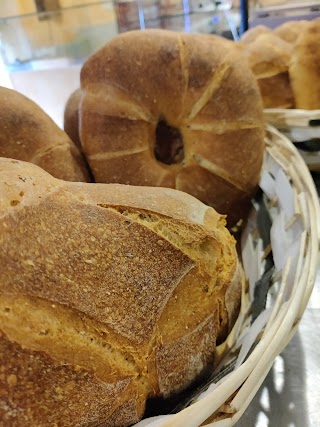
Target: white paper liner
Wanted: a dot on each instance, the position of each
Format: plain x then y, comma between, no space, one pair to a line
294,208
298,126
280,117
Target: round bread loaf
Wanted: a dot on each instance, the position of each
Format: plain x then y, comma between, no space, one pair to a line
109,295
305,67
28,133
269,59
168,109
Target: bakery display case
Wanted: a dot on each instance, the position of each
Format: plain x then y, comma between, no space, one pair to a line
71,33
273,13
75,32
52,45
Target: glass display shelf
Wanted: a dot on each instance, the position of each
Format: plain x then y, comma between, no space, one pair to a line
72,34
44,52
274,13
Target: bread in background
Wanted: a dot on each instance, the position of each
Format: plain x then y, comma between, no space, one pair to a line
290,30
269,58
109,295
71,117
252,33
28,133
305,67
162,108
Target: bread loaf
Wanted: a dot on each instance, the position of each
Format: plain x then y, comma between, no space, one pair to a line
109,295
27,133
305,67
71,117
286,63
290,30
269,59
168,109
253,33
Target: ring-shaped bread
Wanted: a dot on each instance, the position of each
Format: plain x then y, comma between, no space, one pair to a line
169,109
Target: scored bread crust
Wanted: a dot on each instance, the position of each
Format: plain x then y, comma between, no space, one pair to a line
197,84
305,67
110,294
29,134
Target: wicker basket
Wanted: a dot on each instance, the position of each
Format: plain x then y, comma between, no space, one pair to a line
284,277
302,127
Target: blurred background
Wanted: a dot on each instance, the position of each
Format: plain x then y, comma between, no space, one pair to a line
43,43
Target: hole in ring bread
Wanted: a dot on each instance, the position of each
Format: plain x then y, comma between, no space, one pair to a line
169,146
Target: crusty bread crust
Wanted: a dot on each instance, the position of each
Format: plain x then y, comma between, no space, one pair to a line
197,84
29,134
110,294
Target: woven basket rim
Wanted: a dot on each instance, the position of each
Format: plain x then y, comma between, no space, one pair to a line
239,387
291,117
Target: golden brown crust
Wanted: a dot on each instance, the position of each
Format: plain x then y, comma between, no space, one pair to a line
130,286
178,362
110,294
28,134
197,84
38,391
305,67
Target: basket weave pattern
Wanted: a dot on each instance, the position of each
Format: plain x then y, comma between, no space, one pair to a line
290,201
